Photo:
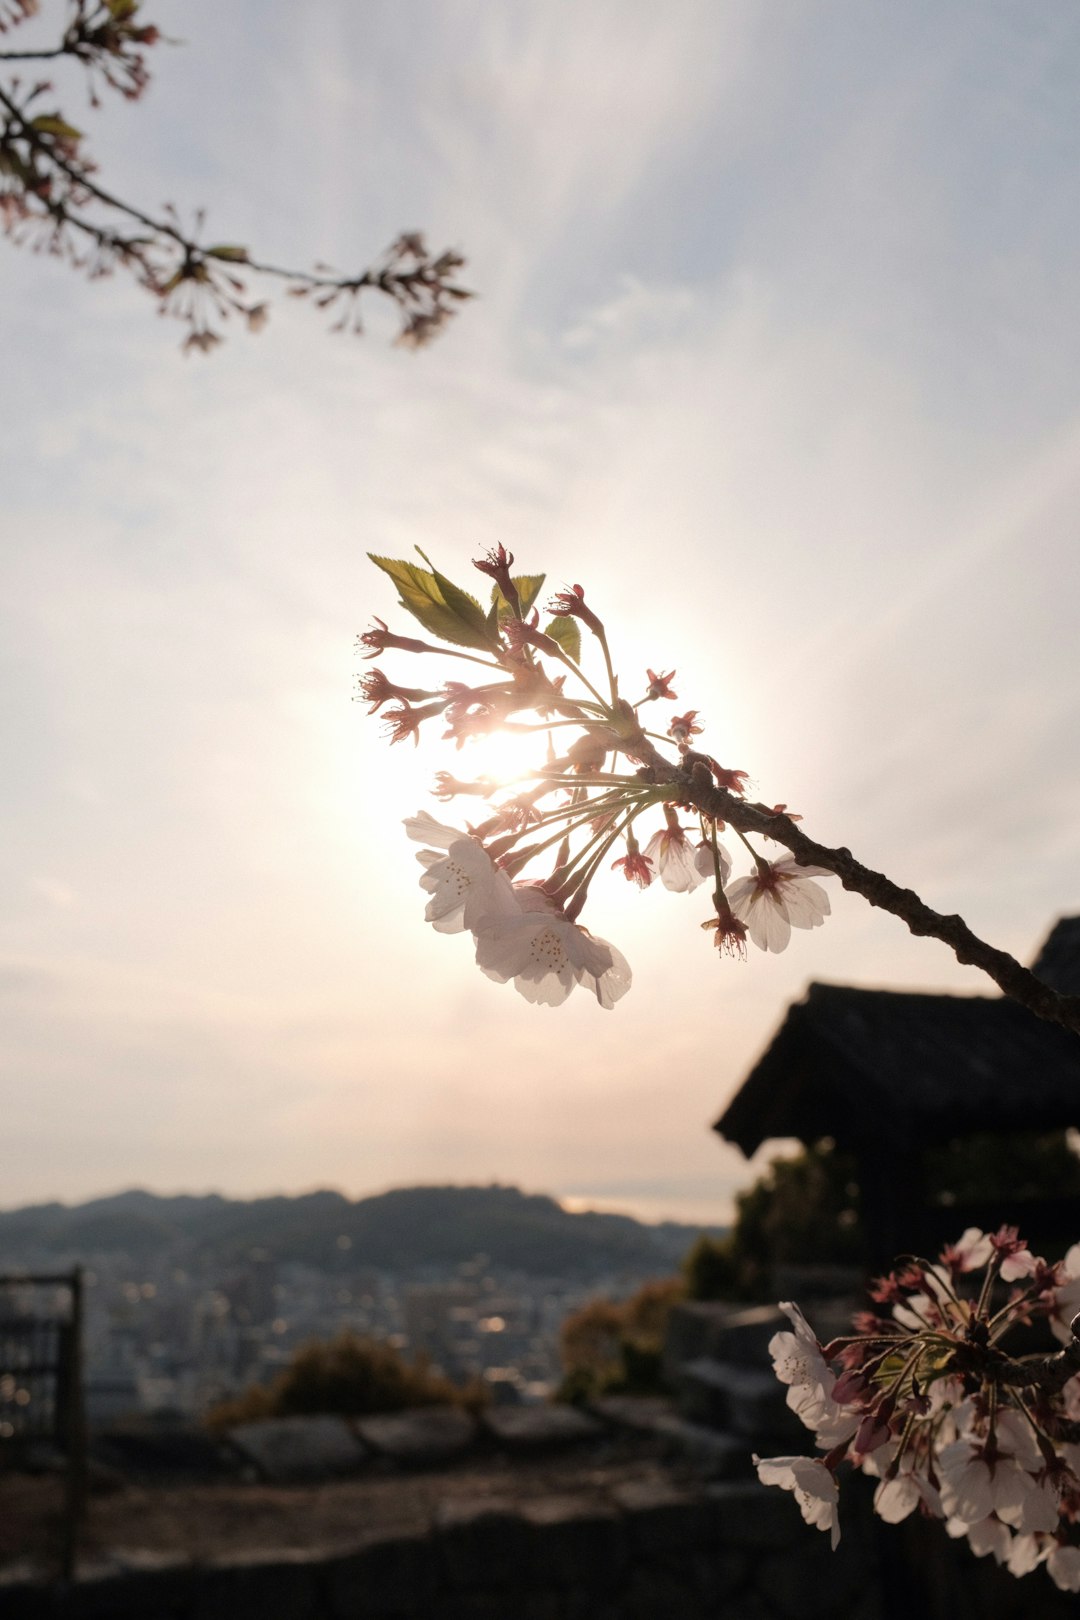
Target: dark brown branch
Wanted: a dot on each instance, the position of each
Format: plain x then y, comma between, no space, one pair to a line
697,788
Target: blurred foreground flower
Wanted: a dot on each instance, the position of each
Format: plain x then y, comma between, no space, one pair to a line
928,1400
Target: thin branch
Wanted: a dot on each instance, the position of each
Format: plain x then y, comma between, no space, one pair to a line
696,788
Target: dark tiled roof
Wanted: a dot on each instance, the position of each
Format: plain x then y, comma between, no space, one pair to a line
867,1066
1058,963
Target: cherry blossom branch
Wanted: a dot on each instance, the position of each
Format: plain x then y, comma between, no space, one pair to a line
1014,980
48,194
764,907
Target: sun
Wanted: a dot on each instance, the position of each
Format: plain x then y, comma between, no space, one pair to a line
503,757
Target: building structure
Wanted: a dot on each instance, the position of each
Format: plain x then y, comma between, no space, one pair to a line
888,1074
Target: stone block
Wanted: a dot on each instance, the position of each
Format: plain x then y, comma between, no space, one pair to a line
586,1606
250,1585
137,1582
483,1542
660,1518
748,1514
519,1605
716,1455
426,1435
24,1594
577,1542
388,1575
806,1583
738,1333
536,1428
746,1401
288,1450
640,1413
652,1593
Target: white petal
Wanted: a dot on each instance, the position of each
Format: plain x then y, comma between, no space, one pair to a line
895,1498
806,904
426,830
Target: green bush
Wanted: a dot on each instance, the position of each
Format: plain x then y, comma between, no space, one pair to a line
610,1348
350,1376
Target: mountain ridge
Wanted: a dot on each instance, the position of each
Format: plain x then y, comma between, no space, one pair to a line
403,1229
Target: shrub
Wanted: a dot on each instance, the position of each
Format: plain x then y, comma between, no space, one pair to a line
347,1375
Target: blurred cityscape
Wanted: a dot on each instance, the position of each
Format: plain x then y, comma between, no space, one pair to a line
176,1327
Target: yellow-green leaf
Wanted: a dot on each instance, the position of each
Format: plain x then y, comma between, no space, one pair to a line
443,609
236,255
50,124
528,589
567,633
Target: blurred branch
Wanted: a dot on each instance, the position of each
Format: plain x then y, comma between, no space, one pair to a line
51,202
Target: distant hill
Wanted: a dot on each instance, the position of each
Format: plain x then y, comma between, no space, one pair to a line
402,1230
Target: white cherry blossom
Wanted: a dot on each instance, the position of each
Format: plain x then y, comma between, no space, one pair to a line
977,1480
674,860
1063,1564
424,829
546,955
813,1485
703,861
465,887
1025,1554
464,884
778,897
987,1535
1067,1297
799,1363
896,1498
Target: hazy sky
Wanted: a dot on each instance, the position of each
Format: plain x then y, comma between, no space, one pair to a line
776,353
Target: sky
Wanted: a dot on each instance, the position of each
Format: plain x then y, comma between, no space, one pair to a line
775,351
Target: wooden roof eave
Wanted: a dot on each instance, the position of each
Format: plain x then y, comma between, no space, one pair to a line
803,1087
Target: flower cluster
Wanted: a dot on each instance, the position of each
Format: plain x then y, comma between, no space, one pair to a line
925,1397
589,799
521,932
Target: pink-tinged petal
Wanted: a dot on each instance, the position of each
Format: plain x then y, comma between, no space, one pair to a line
703,861
814,1488
806,903
966,1484
610,985
1025,1554
1063,1564
1021,1264
896,1498
766,922
1020,1501
988,1536
424,829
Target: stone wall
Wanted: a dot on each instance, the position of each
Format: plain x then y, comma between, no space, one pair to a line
642,1551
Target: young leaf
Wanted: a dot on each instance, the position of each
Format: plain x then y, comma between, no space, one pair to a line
51,125
464,604
235,255
528,589
441,608
567,633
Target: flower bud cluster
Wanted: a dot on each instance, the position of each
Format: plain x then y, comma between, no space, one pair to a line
926,1398
575,811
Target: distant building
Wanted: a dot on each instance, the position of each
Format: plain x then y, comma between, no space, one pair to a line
886,1073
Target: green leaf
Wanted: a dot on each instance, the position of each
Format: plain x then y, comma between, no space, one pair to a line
235,255
52,125
528,589
463,603
443,609
567,633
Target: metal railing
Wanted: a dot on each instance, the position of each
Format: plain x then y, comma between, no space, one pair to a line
41,1393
